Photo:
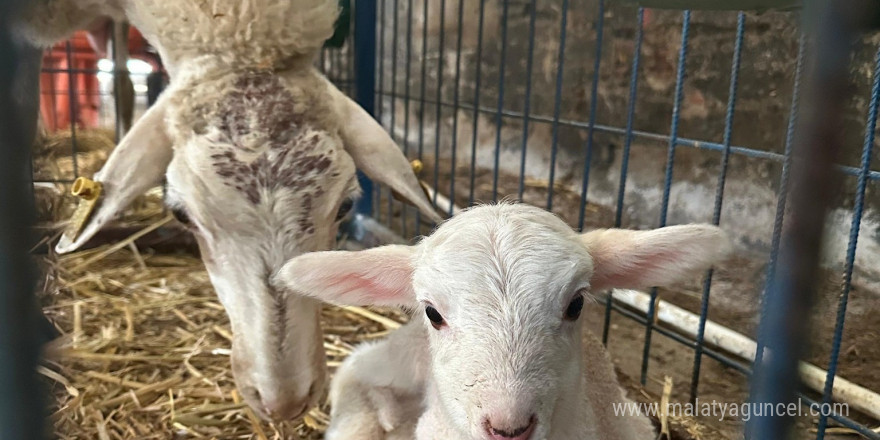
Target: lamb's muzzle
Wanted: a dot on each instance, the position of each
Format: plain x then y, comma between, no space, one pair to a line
501,432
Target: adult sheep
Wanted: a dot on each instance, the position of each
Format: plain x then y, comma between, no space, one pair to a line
259,152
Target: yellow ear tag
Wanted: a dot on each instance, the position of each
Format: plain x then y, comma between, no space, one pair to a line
417,167
89,193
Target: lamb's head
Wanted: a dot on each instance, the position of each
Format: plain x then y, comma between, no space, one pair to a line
261,167
500,290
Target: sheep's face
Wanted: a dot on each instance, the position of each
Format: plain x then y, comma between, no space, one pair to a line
500,290
245,234
502,295
262,170
261,177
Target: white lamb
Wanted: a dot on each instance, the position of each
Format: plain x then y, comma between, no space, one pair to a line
499,352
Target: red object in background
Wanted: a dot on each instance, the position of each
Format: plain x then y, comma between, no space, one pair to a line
55,81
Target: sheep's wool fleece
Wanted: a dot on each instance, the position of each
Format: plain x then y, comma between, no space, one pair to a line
239,33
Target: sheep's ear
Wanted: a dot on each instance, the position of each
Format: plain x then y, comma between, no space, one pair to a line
137,164
376,154
626,259
380,276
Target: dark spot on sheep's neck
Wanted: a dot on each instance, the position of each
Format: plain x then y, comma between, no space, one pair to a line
279,300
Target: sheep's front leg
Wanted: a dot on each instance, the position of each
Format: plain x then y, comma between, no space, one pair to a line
378,392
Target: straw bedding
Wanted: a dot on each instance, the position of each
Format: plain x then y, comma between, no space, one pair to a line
145,344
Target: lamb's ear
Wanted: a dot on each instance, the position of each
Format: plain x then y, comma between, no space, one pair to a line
376,154
380,276
640,259
137,164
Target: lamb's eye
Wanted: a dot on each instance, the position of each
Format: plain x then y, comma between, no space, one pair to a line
435,317
345,208
573,311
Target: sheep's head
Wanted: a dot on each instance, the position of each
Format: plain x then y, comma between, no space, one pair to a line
261,168
500,290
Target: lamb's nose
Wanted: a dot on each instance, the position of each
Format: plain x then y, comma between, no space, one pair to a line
523,432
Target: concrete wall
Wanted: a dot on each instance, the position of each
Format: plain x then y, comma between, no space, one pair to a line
762,107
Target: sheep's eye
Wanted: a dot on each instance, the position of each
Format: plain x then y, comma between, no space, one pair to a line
435,317
345,208
573,311
181,216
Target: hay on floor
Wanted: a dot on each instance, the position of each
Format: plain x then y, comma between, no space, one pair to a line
145,351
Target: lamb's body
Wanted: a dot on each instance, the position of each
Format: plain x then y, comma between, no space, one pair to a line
384,390
501,352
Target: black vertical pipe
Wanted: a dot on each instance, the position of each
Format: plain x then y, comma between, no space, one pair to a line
365,79
22,410
831,27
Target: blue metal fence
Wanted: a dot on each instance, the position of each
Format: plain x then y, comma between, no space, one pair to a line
387,89
359,68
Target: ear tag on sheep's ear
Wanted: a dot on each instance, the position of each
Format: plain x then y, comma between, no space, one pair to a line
417,167
89,193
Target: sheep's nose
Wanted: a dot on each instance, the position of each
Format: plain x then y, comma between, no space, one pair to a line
281,409
513,432
279,406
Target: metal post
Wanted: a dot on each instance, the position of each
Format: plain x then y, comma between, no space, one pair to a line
123,89
832,27
365,80
22,410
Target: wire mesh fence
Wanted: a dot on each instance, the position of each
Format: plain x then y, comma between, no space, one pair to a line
570,106
608,115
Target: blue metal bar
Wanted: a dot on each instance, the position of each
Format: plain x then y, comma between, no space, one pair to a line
365,81
527,105
667,183
719,197
380,108
627,143
676,112
71,88
406,101
644,135
422,100
476,106
393,69
630,117
349,82
393,126
498,118
594,102
455,104
858,210
557,100
783,186
438,127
